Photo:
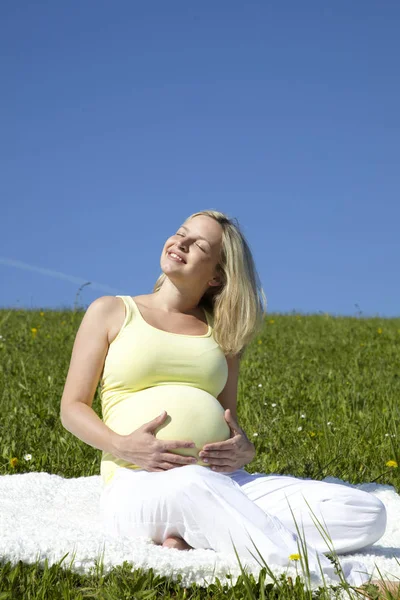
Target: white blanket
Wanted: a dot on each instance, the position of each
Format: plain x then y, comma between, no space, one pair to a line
47,516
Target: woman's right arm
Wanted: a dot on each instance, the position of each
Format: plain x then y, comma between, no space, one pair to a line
87,363
77,416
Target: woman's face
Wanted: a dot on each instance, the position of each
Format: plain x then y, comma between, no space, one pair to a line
193,252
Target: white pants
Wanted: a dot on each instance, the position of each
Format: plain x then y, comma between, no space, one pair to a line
211,510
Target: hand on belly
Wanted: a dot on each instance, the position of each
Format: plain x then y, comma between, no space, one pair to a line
194,415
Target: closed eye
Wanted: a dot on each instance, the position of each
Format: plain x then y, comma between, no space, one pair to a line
183,235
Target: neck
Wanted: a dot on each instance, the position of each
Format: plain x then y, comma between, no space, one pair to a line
173,298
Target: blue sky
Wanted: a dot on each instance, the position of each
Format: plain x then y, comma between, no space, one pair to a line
119,119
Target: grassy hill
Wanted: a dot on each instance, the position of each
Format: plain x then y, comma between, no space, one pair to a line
318,395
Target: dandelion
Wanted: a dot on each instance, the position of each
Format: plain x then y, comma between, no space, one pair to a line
41,314
255,434
34,331
392,463
13,462
300,428
312,434
271,321
28,457
259,342
294,557
273,405
379,330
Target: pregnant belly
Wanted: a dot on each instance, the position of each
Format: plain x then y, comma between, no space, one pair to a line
193,415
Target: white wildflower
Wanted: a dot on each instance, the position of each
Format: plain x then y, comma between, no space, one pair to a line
329,423
273,405
255,434
302,416
28,457
300,428
260,385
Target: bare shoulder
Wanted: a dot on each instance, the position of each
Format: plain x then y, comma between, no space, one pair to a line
111,311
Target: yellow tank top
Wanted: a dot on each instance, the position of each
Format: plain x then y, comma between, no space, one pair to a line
143,357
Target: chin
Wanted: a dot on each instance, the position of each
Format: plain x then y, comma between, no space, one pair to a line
169,266
168,270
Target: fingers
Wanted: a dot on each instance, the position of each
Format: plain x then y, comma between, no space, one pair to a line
154,423
224,455
227,445
178,459
218,462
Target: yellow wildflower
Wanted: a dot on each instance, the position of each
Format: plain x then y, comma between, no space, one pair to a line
34,331
271,321
13,462
362,344
294,557
312,434
260,341
379,330
41,314
392,463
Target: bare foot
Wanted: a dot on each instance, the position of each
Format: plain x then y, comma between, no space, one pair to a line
176,542
385,588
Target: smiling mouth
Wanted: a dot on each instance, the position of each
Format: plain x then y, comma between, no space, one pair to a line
175,257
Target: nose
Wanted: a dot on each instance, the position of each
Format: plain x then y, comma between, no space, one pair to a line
183,244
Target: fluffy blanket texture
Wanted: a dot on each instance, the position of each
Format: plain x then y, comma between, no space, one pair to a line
47,516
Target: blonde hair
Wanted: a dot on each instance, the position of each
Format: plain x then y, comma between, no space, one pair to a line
239,303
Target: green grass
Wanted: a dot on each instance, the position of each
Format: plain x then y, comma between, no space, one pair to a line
341,373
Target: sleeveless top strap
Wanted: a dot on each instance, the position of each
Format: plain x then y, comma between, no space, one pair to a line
129,310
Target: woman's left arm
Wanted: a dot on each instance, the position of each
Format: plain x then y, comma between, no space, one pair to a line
238,451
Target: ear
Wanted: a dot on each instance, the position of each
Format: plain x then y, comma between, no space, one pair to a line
214,281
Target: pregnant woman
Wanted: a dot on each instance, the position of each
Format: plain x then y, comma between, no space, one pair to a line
173,451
